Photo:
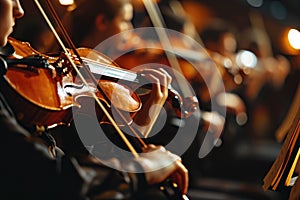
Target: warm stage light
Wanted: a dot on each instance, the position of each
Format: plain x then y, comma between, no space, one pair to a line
66,2
294,38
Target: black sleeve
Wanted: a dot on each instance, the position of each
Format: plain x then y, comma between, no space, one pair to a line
28,171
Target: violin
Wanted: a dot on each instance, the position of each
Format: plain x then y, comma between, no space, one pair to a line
50,103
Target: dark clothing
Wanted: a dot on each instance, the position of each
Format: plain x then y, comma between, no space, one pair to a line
29,171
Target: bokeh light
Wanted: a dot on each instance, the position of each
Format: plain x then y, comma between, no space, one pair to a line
294,38
66,2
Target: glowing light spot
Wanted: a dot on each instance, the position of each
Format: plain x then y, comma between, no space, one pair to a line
294,38
66,2
246,59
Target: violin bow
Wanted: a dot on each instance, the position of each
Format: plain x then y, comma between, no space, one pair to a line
177,194
177,8
159,23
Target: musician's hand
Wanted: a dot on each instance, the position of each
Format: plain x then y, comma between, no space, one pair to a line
160,164
154,101
160,80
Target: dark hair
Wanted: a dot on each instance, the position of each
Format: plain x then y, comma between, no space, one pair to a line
80,21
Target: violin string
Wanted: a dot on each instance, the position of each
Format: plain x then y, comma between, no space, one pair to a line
110,118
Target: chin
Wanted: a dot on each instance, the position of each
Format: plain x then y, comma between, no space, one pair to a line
3,42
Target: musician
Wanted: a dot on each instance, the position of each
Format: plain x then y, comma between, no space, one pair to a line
29,171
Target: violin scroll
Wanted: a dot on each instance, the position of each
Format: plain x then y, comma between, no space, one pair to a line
183,107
